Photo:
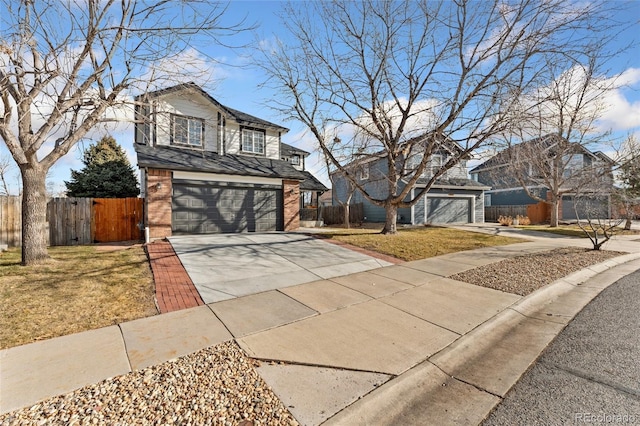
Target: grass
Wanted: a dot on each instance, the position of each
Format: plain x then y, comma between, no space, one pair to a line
567,230
418,243
79,289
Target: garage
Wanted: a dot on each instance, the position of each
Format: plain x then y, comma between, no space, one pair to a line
201,207
448,209
584,208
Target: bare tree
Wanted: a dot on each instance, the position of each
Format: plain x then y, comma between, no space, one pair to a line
67,66
6,167
395,80
553,127
597,227
627,198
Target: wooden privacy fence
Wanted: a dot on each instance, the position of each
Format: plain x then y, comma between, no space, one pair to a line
117,219
74,221
537,213
309,214
332,215
10,221
69,221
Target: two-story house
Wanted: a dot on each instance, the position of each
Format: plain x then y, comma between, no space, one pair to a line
208,168
452,198
533,171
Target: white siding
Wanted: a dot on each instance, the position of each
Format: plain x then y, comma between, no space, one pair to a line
194,106
232,145
272,141
273,145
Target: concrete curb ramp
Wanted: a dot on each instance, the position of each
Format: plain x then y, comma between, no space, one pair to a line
462,383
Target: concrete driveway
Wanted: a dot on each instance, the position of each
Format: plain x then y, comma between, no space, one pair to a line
225,266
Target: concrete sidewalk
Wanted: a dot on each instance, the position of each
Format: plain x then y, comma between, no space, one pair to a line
374,347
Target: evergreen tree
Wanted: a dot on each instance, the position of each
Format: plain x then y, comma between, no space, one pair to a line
630,175
107,173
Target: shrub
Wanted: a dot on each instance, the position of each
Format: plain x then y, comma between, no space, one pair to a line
505,220
523,220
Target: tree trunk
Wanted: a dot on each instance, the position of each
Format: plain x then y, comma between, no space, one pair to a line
346,215
34,212
554,214
627,224
390,221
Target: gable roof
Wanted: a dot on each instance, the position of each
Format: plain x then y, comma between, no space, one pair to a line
239,116
447,144
543,143
289,150
192,160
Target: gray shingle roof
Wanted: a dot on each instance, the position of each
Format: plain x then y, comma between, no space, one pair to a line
288,150
239,116
311,183
165,157
193,160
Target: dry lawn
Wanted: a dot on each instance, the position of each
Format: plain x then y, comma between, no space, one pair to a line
79,289
419,243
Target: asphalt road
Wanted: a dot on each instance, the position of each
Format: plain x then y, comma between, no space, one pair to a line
590,374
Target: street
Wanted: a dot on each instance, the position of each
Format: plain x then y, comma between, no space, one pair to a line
591,373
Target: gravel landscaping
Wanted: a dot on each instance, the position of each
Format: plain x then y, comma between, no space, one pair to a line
215,386
525,274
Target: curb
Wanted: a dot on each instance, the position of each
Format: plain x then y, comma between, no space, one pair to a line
463,382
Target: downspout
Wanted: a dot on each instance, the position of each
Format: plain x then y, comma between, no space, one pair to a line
145,207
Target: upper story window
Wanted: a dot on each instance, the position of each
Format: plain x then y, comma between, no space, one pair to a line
435,164
572,164
253,141
364,172
295,159
187,130
432,167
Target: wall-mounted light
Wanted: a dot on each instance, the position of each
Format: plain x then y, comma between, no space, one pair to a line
159,185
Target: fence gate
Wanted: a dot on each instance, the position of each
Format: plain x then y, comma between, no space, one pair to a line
116,219
69,221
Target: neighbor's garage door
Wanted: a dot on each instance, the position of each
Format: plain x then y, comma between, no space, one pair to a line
584,208
448,210
201,208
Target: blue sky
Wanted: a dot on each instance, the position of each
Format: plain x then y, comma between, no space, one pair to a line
238,87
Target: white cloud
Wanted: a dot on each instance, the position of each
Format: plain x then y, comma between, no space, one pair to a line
621,113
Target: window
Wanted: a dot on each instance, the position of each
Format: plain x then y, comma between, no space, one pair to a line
432,167
253,141
572,164
295,160
187,130
364,172
435,163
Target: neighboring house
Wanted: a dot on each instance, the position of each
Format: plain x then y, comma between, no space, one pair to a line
208,168
582,174
453,198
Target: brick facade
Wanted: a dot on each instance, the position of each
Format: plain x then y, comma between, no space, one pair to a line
291,197
158,203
